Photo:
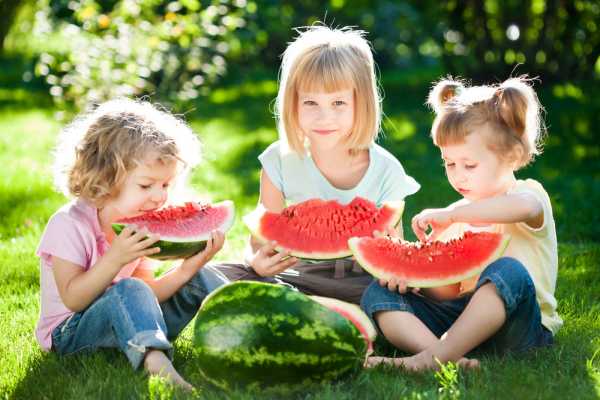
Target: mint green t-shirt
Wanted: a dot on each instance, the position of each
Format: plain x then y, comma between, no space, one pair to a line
299,179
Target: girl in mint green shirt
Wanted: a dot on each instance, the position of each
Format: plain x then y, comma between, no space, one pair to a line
328,110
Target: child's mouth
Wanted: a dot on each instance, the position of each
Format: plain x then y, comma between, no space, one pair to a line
323,132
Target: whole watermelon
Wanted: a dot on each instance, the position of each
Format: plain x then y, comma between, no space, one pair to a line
259,334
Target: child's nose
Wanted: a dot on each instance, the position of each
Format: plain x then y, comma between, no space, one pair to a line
324,114
159,195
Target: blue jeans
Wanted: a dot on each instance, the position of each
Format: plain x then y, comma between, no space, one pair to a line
521,331
128,316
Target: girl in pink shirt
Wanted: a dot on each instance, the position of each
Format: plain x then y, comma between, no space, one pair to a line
97,288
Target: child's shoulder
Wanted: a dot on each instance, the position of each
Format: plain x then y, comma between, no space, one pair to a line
74,213
383,156
531,186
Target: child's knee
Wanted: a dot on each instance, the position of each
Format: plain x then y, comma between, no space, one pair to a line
128,286
512,281
377,298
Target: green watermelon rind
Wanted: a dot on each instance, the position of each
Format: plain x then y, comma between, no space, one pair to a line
353,243
358,315
177,248
286,355
252,221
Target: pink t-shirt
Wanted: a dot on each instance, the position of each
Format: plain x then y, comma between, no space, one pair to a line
73,234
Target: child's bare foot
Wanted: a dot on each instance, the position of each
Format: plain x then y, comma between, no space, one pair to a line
468,363
157,363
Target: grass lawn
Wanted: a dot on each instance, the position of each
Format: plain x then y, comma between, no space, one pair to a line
235,126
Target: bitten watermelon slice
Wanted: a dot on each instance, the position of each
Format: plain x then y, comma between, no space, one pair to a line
319,229
255,334
183,230
429,264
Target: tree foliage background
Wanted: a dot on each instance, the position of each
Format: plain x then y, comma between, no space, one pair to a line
90,50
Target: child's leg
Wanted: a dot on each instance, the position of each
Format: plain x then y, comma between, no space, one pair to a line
180,308
503,308
126,316
409,321
340,279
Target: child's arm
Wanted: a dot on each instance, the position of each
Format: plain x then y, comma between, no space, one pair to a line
79,288
505,209
260,256
166,285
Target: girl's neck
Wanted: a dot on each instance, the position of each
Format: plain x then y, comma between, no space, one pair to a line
508,184
339,157
342,169
106,217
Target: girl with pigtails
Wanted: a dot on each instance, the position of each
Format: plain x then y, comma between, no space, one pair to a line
485,134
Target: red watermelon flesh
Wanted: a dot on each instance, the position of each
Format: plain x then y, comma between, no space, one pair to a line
320,229
191,221
184,230
429,264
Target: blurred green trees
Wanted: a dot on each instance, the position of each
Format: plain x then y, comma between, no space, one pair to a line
173,50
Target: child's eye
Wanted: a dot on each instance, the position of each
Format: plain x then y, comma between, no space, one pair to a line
449,165
309,103
470,166
145,187
339,103
166,185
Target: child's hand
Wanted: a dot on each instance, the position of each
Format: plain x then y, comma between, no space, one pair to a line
398,285
267,262
130,245
438,219
198,260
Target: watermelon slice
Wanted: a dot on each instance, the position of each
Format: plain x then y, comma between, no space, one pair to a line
183,230
429,264
318,229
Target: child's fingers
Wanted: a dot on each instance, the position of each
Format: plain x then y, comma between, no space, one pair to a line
148,252
127,232
139,235
275,258
392,285
219,238
281,266
268,249
402,287
148,241
419,230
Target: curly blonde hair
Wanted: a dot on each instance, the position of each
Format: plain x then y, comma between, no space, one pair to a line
322,58
100,147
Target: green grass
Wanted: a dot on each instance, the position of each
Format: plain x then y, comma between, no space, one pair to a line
235,126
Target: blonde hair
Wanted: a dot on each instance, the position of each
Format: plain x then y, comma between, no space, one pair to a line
322,58
510,110
99,148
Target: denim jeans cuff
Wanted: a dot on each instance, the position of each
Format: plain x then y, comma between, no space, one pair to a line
371,309
144,340
503,290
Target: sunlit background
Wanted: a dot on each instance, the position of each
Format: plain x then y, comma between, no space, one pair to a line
216,63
